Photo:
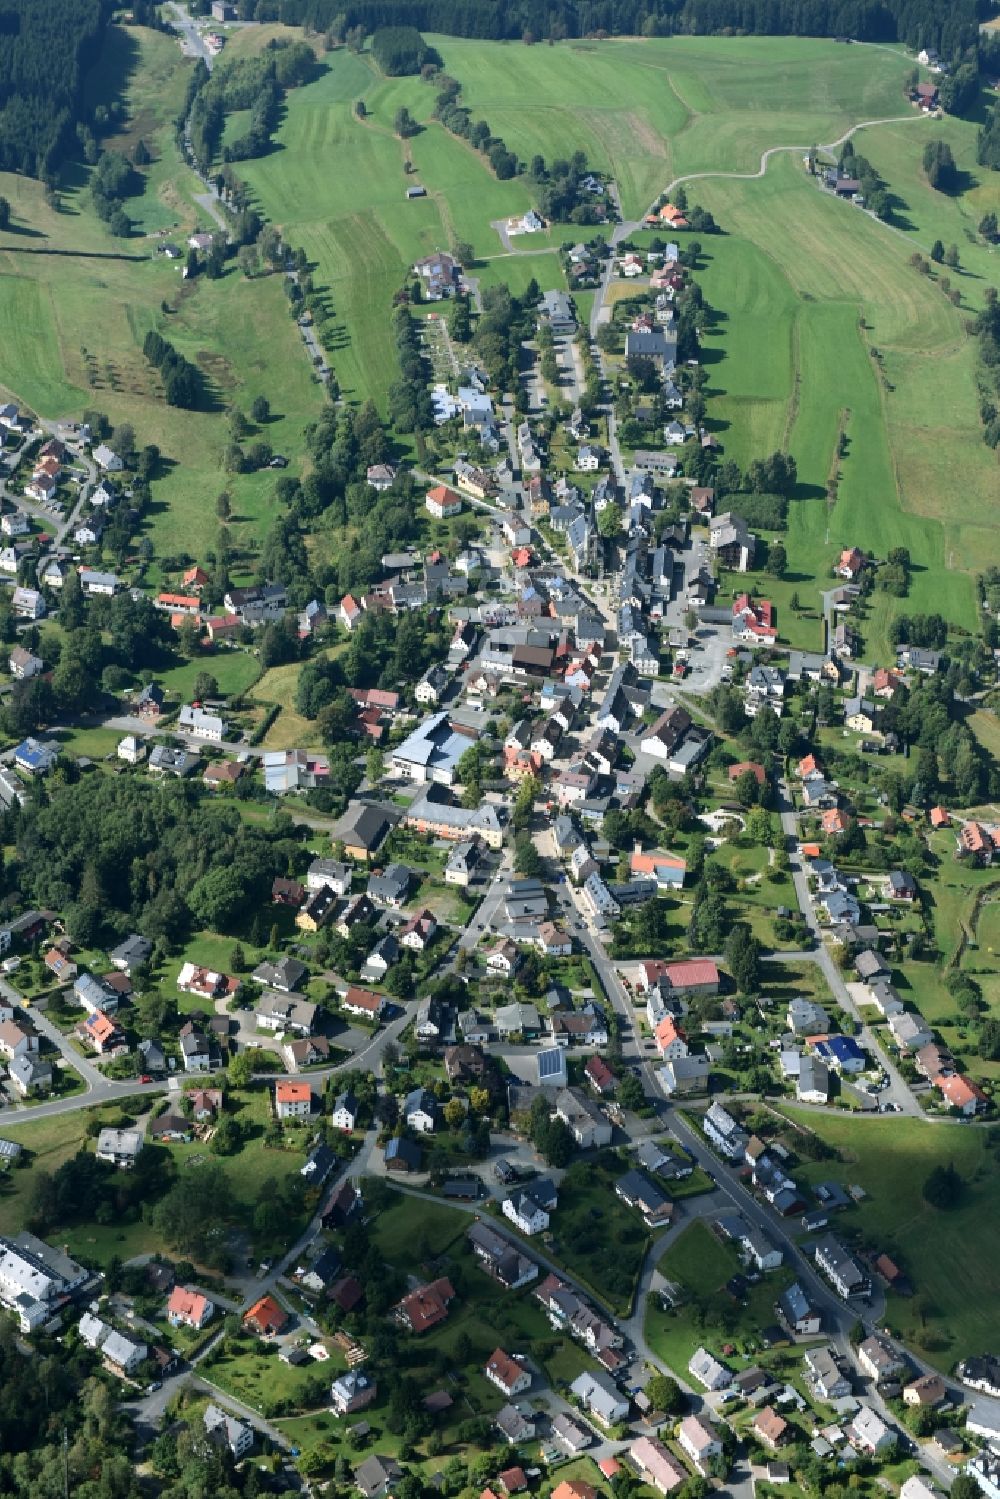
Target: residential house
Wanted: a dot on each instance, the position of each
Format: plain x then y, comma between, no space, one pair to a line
799,1313
266,1317
769,1428
227,1431
363,1002
292,1100
879,1359
586,1122
869,1432
529,1209
352,1391
507,1373
420,1111
656,1464
826,1375
926,1390
189,1308
345,1111
426,1306
501,1259
120,1147
841,1268
700,1439
601,1397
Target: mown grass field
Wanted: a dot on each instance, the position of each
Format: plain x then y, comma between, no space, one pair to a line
949,1256
818,287
337,186
647,111
76,303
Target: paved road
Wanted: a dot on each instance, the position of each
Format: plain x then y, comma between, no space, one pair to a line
898,1091
828,150
192,41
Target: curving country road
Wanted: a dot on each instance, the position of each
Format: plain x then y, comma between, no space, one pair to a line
829,150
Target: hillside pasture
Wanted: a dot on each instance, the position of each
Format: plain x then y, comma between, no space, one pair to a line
76,304
825,288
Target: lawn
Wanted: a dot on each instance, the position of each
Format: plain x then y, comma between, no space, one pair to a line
598,1240
290,729
235,671
267,1385
409,1231
949,1256
699,1265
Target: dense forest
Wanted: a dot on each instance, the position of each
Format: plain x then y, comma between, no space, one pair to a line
120,857
45,51
948,25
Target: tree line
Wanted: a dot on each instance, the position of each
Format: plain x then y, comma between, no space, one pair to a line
950,26
986,328
182,382
399,50
254,83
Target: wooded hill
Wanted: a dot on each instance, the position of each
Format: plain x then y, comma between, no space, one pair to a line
948,25
45,51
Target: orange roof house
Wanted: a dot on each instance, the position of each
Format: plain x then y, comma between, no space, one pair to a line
182,603
834,821
974,839
669,1038
266,1317
961,1093
760,774
808,766
852,560
195,577
426,1306
939,817
572,1488
885,681
188,1307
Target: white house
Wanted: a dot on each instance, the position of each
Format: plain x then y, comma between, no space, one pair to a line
201,725
107,459
525,1213
708,1371
508,1374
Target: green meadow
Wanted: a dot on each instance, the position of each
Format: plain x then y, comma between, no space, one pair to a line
647,111
811,291
76,303
948,1256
